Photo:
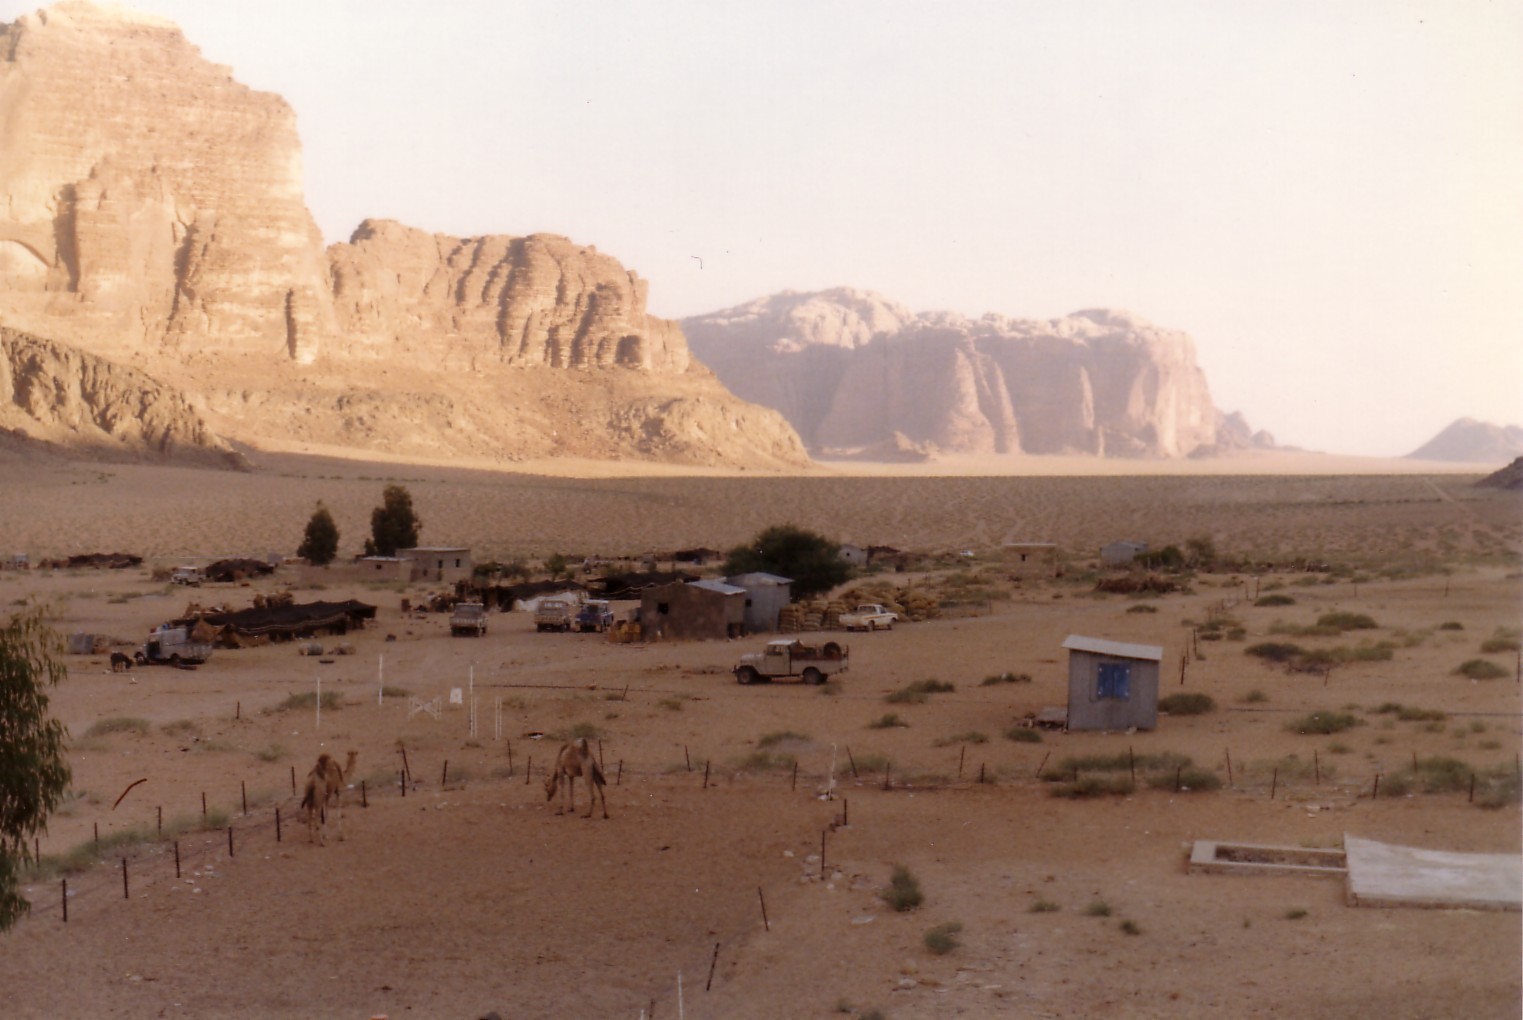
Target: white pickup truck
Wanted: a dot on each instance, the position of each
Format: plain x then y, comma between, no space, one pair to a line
789,658
469,619
870,616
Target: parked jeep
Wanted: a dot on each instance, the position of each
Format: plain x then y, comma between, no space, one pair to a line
554,614
595,615
469,619
787,658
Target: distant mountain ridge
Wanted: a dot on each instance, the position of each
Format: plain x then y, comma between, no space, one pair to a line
1467,441
856,373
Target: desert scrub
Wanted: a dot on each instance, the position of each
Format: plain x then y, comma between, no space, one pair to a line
118,724
903,890
1186,704
1347,621
1254,697
970,737
1186,780
1504,640
942,939
1323,723
887,721
671,704
1005,678
1130,927
1475,669
1164,761
1023,735
1276,651
1451,625
1275,600
1097,908
782,737
1141,608
1094,785
1044,907
919,692
181,727
1407,713
390,691
308,700
270,753
765,761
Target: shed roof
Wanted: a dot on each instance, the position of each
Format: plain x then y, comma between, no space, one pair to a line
757,577
1120,649
719,586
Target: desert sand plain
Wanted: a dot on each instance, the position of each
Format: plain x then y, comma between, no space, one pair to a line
469,894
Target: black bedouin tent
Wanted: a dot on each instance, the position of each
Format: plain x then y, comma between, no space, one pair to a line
293,621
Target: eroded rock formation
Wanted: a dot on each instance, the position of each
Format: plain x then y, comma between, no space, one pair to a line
151,213
851,371
76,400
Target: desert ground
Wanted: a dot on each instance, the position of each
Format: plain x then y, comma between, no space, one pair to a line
469,893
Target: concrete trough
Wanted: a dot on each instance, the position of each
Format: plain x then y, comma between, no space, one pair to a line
1213,857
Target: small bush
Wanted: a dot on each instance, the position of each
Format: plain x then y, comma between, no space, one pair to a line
118,724
1498,645
1098,908
1276,651
308,700
1186,704
1191,780
942,939
1347,621
1323,723
1451,625
1481,669
1295,914
1275,600
1022,735
1140,608
1407,713
390,691
782,736
272,753
1044,907
918,692
670,704
181,727
970,737
1005,678
887,721
1130,928
903,890
1123,762
1094,786
1255,697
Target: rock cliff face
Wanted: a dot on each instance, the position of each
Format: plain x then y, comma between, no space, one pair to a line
1468,441
77,400
151,213
852,371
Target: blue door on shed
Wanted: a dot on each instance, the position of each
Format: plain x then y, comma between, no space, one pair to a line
1115,681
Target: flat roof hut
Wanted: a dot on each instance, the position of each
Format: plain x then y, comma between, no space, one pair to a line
766,595
700,611
1112,685
441,563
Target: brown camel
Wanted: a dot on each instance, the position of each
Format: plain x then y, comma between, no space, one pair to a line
325,784
575,759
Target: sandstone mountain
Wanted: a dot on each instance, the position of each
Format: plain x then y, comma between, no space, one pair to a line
857,374
152,214
1468,441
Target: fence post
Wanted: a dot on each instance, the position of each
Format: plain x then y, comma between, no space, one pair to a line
230,853
66,901
364,797
277,825
244,786
177,858
125,894
619,779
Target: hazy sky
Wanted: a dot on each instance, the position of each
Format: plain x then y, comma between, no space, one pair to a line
1328,196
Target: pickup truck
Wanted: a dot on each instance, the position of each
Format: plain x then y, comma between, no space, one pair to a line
869,616
190,576
554,614
469,619
595,615
789,658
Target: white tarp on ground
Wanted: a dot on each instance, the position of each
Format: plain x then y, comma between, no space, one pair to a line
531,605
1381,875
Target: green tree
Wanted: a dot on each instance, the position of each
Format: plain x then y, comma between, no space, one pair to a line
812,561
393,524
320,544
33,773
557,565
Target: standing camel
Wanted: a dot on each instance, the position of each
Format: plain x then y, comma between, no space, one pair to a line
325,784
575,759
